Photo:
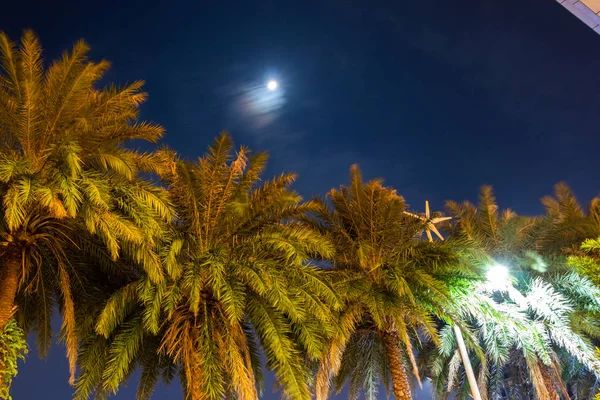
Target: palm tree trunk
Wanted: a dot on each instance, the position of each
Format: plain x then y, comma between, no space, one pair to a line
195,391
10,266
391,344
548,382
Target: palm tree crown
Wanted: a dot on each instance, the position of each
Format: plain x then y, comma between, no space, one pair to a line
64,170
394,285
238,275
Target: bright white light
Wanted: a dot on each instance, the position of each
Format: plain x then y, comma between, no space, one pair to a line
272,85
497,276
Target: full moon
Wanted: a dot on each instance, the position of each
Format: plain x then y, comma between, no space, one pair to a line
272,85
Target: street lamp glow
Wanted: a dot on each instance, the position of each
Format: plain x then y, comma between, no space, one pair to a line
272,85
498,279
497,276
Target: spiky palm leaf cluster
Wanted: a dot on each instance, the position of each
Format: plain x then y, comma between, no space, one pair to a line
238,277
394,286
526,338
587,261
566,223
502,235
64,170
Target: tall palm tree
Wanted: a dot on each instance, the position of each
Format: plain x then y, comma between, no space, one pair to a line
529,329
238,277
394,284
64,174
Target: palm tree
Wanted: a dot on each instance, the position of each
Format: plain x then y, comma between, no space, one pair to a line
526,331
394,284
65,174
238,278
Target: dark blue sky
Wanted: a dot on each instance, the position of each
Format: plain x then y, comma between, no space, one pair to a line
436,97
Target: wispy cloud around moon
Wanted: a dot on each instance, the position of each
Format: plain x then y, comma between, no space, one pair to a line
257,106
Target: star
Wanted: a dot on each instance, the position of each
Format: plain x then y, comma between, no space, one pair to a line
430,222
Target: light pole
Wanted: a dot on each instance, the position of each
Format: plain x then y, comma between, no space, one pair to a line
464,355
497,279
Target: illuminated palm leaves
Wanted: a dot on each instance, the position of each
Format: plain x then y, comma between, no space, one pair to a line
64,170
523,333
13,347
533,332
237,276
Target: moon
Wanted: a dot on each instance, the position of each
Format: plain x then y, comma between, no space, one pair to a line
272,85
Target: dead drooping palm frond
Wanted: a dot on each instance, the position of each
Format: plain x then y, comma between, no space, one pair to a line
64,170
238,279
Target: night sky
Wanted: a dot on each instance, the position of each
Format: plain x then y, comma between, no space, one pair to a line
437,97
